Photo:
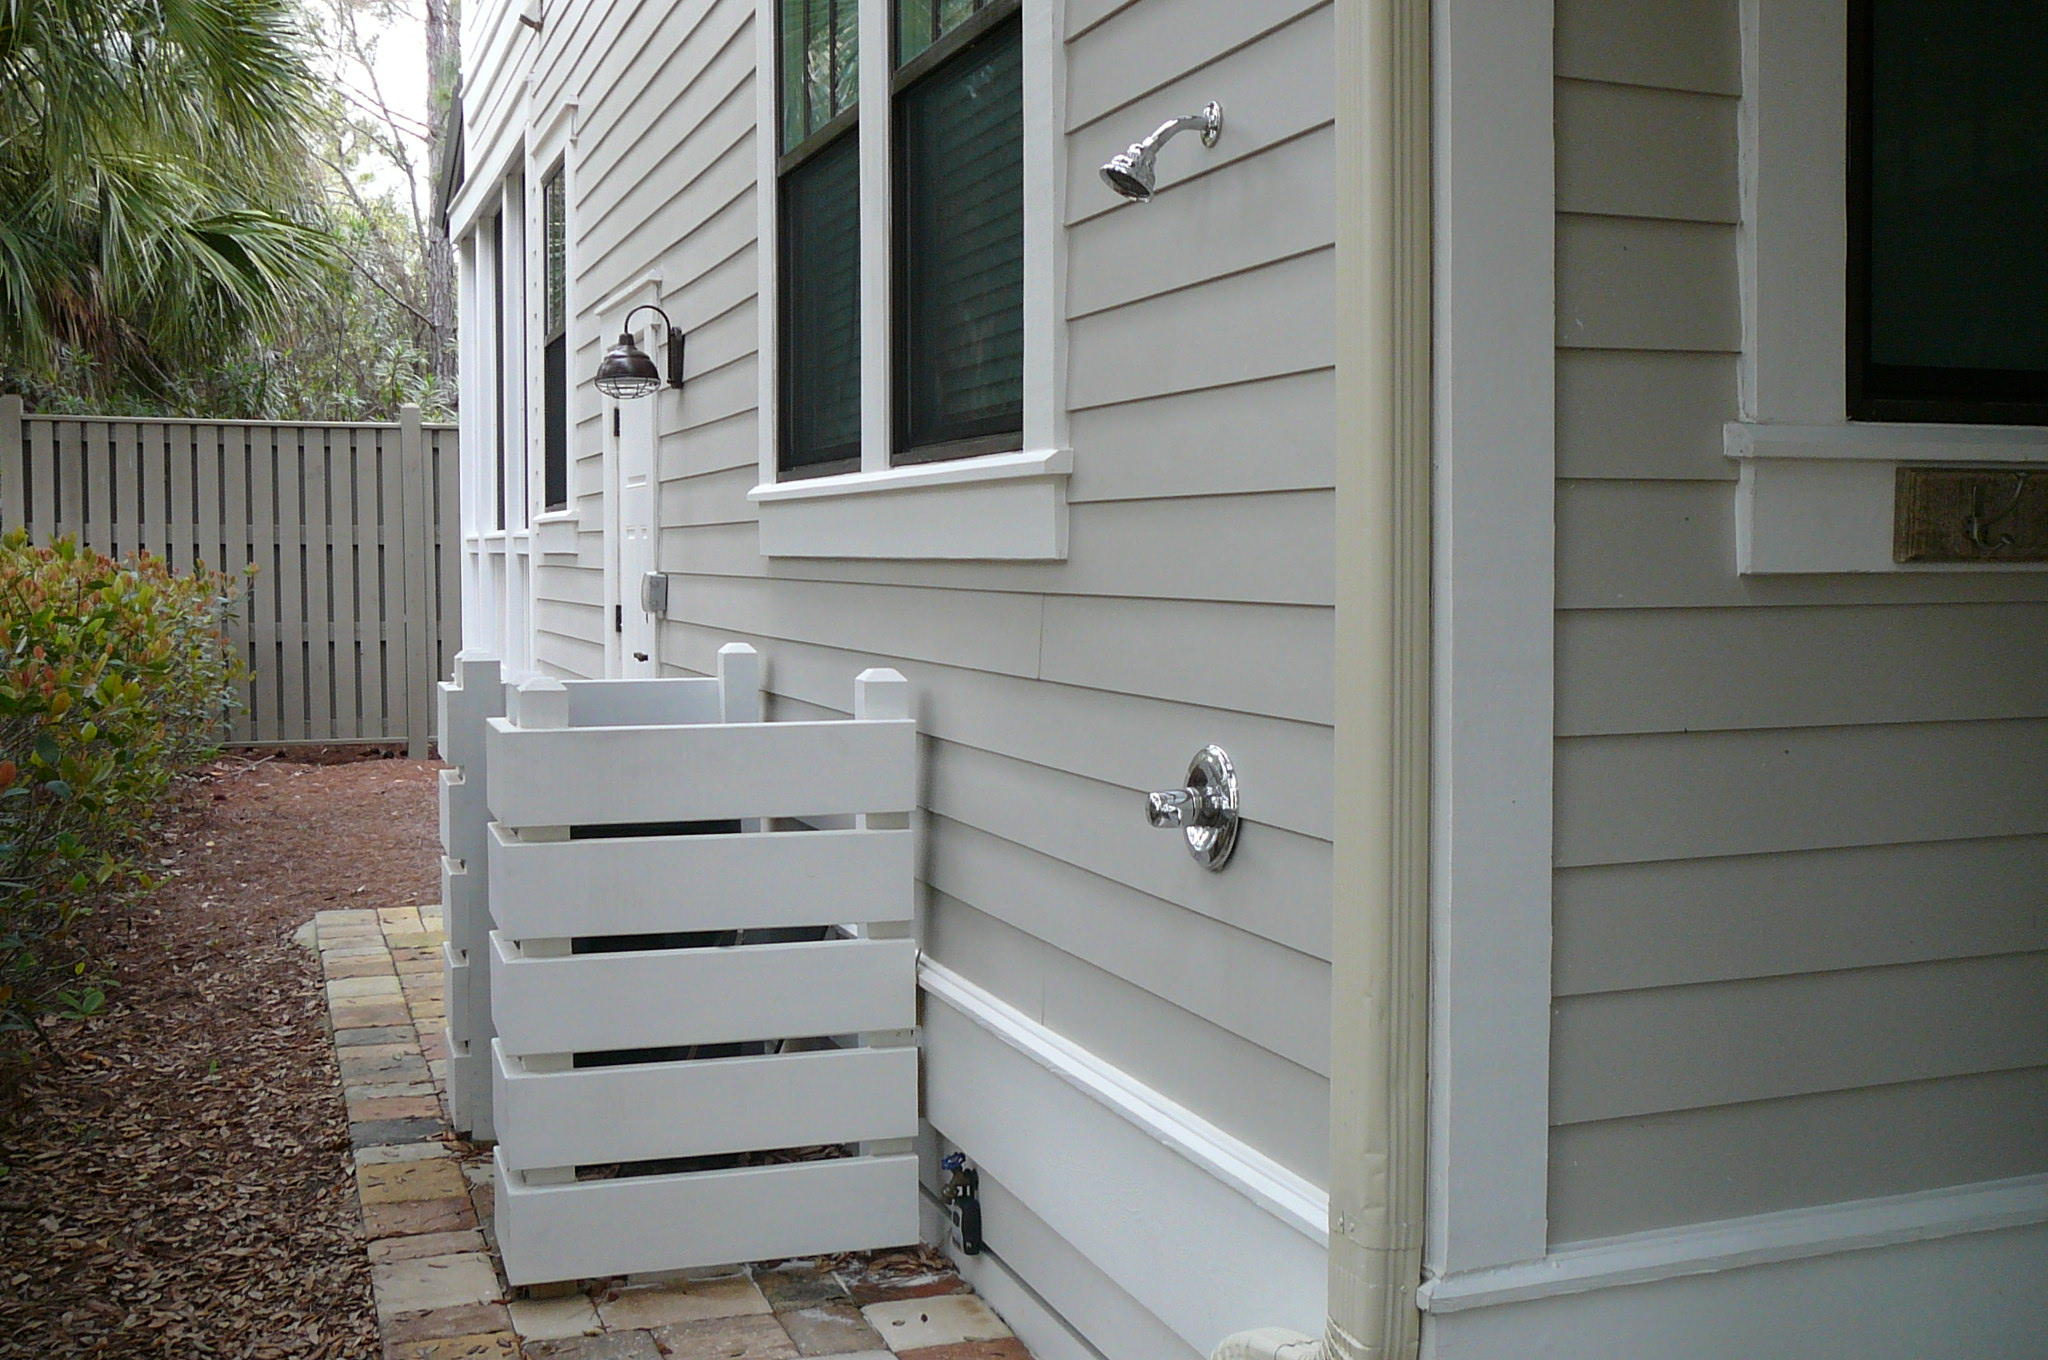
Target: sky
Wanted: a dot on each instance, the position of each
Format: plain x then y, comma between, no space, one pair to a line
399,36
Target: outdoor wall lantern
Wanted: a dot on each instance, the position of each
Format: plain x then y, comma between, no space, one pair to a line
1132,171
626,371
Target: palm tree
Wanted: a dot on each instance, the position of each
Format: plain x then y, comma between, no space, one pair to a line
154,199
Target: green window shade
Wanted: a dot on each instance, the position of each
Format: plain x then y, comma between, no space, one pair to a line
920,23
555,238
820,64
819,359
960,247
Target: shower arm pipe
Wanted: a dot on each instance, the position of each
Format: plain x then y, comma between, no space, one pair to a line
1207,122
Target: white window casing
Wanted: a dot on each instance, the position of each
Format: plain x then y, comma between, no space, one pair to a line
1005,506
1815,489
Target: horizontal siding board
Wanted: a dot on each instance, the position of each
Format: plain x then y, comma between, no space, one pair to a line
1279,319
1269,435
1145,46
1685,921
1634,152
1121,739
1633,1175
1272,91
1227,976
1679,670
1171,650
1278,1107
1282,541
1635,283
1664,545
1272,206
1663,1049
1681,796
1671,44
1278,885
1644,414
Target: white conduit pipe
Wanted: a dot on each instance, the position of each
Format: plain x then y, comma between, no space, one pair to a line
1379,992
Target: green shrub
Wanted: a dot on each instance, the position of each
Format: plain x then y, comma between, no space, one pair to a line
114,678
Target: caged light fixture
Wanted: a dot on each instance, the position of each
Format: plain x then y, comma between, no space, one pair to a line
626,371
1132,171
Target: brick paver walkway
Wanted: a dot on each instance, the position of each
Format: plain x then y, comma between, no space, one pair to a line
426,1201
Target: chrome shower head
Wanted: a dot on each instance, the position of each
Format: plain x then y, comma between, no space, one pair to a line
1133,171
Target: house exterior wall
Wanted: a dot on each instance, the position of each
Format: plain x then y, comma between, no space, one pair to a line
1193,606
1799,941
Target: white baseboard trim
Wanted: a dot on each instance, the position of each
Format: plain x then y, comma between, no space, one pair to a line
1290,1198
1732,1244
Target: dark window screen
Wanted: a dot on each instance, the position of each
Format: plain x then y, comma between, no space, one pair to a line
959,256
819,363
555,349
1948,300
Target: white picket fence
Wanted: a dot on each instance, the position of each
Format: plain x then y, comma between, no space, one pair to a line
675,972
352,614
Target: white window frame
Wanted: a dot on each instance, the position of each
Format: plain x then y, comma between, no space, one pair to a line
551,147
1009,505
1814,491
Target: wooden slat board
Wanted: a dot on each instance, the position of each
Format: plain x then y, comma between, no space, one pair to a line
643,884
324,624
690,1109
587,1003
631,774
657,1223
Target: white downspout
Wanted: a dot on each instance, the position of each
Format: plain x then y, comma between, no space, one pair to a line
1379,975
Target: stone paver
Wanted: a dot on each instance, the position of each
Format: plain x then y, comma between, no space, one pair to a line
757,1336
918,1324
829,1329
426,1203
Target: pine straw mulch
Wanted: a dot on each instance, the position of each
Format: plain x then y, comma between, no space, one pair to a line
181,1186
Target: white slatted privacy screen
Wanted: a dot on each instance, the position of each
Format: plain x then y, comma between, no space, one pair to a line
353,612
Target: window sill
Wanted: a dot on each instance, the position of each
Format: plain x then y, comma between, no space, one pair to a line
1820,498
555,533
999,507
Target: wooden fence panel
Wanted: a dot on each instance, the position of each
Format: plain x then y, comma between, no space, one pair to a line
350,616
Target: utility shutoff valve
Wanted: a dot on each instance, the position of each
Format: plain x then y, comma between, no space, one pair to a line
963,1202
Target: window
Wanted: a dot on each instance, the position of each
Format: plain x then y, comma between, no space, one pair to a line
494,233
1947,197
818,170
554,343
958,315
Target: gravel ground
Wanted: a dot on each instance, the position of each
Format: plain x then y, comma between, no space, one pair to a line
181,1187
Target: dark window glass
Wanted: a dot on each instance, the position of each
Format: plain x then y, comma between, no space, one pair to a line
819,326
1948,296
959,251
820,65
555,344
495,233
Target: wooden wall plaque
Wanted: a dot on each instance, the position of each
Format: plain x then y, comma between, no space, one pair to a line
1952,514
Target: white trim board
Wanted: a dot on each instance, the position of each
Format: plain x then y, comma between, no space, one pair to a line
1204,1232
1493,635
1821,498
1732,1244
1983,1296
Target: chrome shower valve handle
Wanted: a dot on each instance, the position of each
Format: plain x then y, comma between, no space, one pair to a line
1206,810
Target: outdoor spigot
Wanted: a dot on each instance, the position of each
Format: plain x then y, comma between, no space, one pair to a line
1206,810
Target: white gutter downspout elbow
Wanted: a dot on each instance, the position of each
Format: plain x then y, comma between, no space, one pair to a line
1380,937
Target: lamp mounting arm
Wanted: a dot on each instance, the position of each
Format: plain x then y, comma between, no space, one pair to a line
668,327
